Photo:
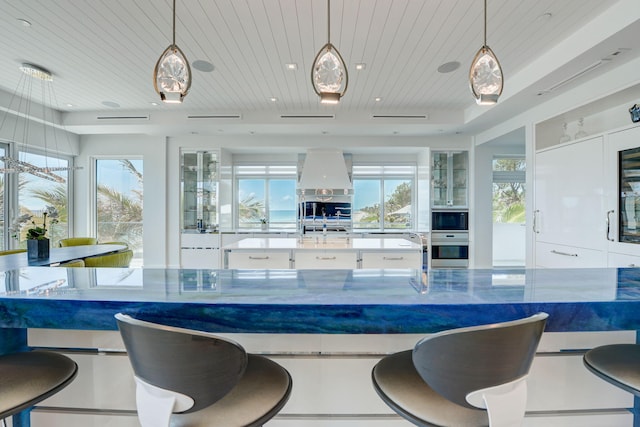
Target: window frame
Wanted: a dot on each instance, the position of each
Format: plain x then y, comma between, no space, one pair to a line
12,183
269,172
386,172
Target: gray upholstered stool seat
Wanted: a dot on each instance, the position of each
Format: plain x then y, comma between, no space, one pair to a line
618,364
451,378
401,387
188,378
29,377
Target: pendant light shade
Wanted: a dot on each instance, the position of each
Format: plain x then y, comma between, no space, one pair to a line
329,75
485,74
172,73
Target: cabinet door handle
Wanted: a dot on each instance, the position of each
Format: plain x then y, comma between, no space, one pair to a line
535,221
388,258
632,265
609,225
258,257
563,253
325,258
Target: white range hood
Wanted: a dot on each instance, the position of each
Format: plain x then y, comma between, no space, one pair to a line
324,174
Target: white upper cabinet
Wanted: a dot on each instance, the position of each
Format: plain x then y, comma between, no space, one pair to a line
569,195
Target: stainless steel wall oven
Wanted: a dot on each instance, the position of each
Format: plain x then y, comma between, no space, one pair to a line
450,239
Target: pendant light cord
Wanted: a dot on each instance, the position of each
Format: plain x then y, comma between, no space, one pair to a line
329,21
174,22
485,22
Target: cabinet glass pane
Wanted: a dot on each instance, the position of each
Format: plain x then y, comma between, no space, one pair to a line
629,186
449,179
199,190
440,180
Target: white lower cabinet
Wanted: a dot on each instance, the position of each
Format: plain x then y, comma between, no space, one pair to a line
306,260
391,260
550,255
332,381
200,250
258,259
199,258
623,260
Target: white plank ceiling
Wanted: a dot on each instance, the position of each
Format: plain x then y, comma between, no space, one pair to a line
102,53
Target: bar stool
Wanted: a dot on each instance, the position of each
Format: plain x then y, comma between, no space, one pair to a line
193,378
469,377
27,378
618,364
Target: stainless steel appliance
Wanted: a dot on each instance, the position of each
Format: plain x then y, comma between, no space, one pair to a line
450,239
449,220
449,250
629,201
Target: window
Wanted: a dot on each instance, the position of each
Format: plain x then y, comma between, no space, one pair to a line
119,202
36,193
509,211
383,197
266,192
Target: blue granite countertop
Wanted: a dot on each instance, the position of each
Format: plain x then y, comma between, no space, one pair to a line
320,301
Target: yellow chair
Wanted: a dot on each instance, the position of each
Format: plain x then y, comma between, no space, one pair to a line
12,251
72,263
78,241
118,259
115,243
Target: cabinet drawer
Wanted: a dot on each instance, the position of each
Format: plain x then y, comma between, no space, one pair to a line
623,260
391,260
550,255
258,260
325,260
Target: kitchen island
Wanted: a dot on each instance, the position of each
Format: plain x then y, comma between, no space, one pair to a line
322,252
328,327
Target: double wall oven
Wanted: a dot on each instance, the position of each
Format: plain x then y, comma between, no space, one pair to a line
449,239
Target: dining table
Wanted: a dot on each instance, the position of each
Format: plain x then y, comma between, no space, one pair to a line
57,256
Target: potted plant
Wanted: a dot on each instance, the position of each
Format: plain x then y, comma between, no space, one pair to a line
263,223
37,241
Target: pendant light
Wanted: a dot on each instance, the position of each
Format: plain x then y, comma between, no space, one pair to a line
329,74
485,74
31,129
172,73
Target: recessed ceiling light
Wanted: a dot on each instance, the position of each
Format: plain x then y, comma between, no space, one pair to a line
110,104
378,99
201,65
361,66
448,67
291,66
273,99
544,17
154,103
68,104
24,22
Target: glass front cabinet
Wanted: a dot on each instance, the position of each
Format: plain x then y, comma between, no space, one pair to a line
449,178
199,191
